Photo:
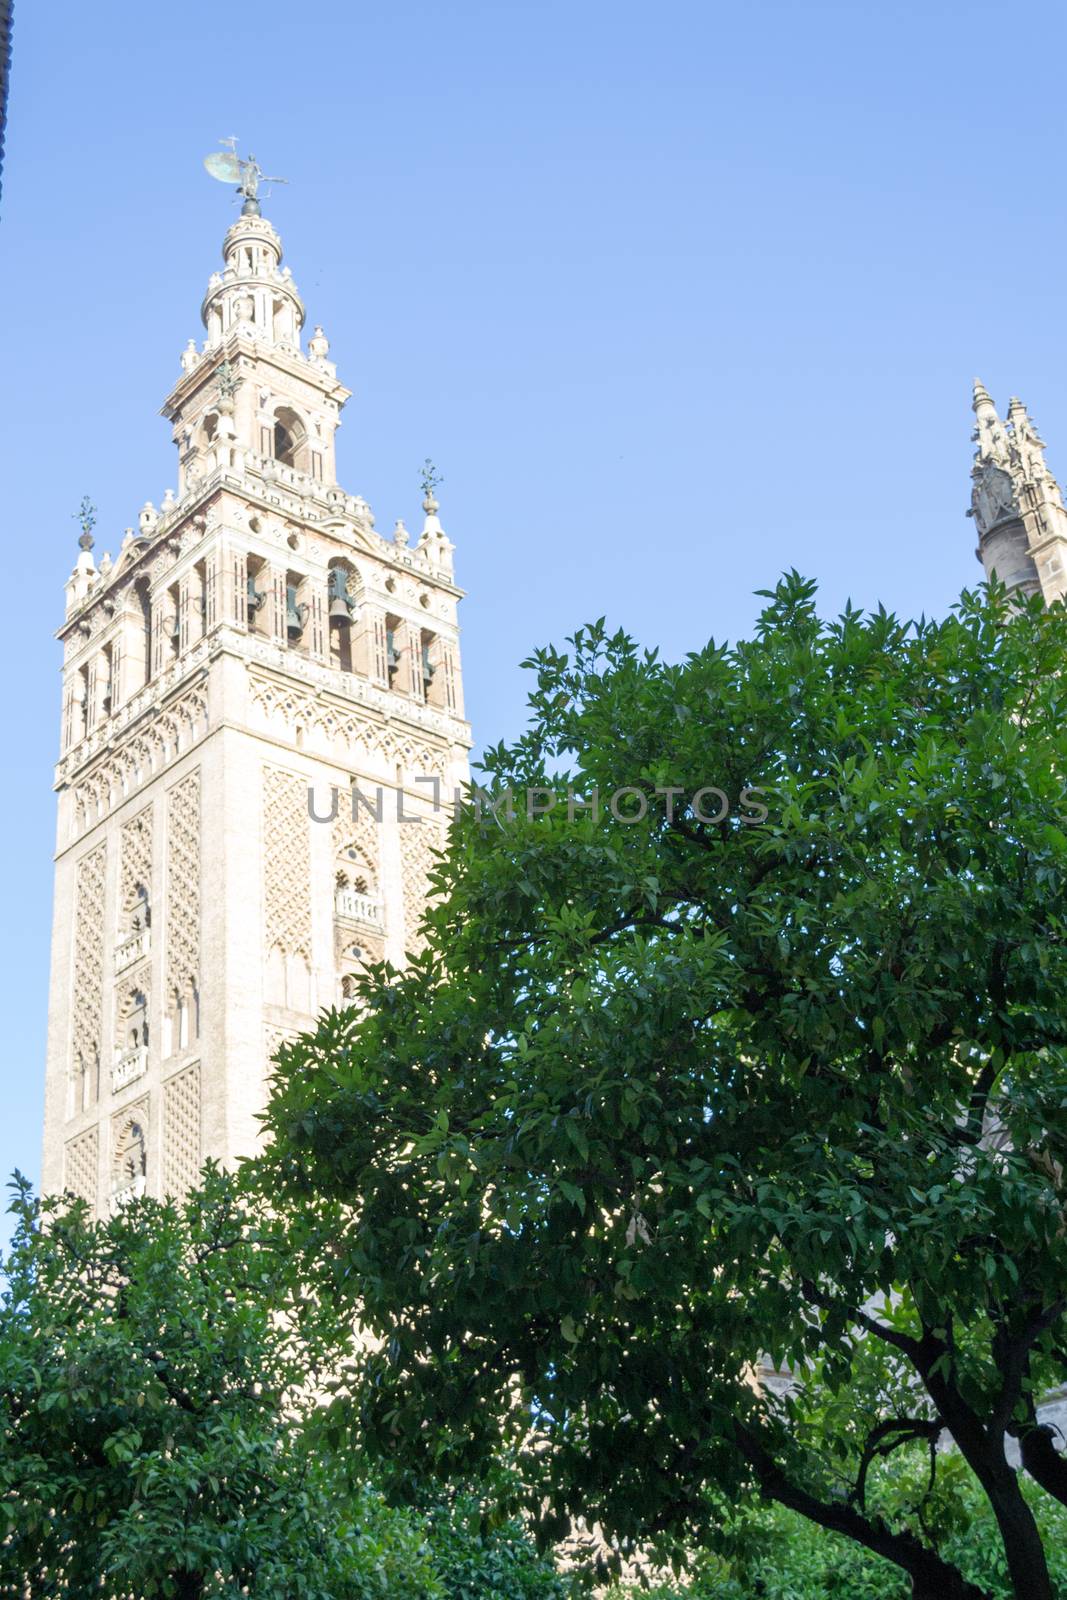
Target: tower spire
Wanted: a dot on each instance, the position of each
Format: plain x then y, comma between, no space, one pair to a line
1016,502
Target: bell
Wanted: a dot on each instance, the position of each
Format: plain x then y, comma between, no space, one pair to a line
295,614
256,597
341,603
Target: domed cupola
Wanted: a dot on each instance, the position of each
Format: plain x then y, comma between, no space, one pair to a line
254,293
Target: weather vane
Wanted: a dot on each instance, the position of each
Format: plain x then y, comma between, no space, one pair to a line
86,515
246,173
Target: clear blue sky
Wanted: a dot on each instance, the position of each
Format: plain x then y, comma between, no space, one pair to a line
676,296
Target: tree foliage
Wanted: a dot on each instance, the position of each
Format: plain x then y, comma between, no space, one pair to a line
160,1378
663,1098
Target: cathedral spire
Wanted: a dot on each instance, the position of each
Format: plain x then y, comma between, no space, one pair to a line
1016,502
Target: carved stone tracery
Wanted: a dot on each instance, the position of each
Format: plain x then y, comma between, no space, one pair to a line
286,864
88,971
183,887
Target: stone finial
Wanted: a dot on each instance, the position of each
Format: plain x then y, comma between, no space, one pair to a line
190,356
400,533
318,345
169,502
148,520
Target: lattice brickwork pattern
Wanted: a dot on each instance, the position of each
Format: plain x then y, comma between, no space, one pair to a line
418,842
89,956
80,1166
181,1131
183,885
136,858
286,863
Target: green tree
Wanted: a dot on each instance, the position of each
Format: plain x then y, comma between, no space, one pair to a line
661,1096
157,1419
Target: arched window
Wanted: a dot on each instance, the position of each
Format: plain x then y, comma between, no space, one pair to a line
131,1153
290,439
355,889
134,1014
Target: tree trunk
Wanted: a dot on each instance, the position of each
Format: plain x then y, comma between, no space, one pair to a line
1027,1566
983,1452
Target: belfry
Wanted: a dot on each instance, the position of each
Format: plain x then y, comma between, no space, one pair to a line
254,643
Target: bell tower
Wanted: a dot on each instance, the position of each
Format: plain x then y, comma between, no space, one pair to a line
262,736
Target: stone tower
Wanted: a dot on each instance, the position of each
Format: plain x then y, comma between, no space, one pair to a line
254,640
1016,502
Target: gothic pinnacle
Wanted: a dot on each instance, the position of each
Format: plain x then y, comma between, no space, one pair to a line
981,395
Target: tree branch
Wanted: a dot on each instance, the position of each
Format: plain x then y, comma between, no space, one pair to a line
931,1573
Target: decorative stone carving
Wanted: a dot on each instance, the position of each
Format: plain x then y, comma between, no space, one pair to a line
129,1149
358,837
183,886
286,707
418,843
286,864
80,1166
136,859
139,757
992,497
181,1131
88,968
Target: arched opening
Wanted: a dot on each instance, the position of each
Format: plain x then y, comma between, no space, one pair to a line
257,607
356,896
282,322
342,604
289,439
144,598
131,1155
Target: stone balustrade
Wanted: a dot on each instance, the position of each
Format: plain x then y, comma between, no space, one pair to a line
356,907
131,1065
133,948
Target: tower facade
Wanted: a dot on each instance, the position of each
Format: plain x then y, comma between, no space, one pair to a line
262,733
1016,503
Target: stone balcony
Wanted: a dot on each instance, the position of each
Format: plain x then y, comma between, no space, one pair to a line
131,1065
355,907
132,1190
131,949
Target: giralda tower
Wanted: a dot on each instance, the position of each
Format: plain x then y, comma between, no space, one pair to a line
254,637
